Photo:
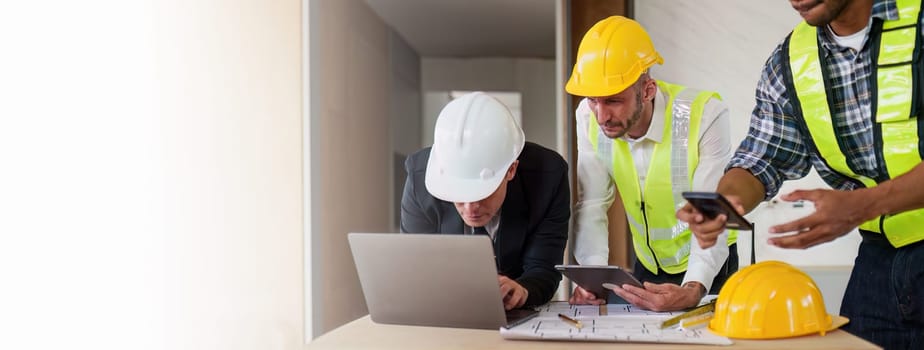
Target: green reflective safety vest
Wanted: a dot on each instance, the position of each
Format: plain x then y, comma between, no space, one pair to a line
893,98
659,239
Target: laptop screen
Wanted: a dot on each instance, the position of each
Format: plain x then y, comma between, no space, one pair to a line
429,279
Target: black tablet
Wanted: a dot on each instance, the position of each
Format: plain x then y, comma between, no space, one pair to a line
592,277
711,204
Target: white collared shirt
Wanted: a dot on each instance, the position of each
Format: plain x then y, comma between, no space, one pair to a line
596,188
491,227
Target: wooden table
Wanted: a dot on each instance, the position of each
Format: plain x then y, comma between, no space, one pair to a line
365,334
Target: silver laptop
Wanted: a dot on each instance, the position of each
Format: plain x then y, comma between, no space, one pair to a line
431,280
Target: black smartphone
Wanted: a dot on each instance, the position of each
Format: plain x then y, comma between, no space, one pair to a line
711,204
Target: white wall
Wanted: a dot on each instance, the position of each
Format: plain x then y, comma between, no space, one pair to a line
230,112
722,46
534,78
726,53
151,191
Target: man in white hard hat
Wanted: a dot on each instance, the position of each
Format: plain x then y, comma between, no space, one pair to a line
481,177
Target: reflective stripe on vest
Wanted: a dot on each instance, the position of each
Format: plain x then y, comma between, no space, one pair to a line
893,101
664,242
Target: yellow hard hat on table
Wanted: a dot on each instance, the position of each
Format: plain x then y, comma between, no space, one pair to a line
771,299
611,57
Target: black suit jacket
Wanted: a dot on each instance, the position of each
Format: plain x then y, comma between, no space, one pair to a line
534,218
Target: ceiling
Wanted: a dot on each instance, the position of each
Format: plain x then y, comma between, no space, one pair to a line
473,28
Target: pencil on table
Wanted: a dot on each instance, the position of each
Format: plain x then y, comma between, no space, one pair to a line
576,323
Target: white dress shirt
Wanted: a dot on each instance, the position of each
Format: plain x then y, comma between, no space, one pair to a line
596,187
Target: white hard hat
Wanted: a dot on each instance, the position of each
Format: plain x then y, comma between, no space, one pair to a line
475,141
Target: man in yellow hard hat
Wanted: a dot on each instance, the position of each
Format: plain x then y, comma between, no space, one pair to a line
843,94
652,140
482,177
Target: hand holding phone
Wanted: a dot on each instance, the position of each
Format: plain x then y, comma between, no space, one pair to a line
713,204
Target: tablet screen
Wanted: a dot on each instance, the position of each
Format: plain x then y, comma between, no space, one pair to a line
592,277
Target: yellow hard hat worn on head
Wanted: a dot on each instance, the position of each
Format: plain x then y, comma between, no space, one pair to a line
475,141
771,299
611,57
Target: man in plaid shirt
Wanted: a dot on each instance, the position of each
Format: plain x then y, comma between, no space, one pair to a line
843,93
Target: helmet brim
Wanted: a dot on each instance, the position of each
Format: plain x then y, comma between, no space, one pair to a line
837,321
459,190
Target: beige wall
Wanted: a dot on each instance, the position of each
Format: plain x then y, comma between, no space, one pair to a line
404,114
350,160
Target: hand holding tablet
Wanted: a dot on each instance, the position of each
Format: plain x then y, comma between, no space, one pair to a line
593,277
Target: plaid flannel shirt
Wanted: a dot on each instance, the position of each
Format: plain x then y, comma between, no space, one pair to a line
775,148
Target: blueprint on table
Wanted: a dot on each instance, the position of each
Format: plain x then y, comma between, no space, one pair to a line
608,323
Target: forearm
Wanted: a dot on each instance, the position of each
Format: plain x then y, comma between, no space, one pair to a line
897,195
539,275
591,234
545,247
595,196
704,264
541,287
744,185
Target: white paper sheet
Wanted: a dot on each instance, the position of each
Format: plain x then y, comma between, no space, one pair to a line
620,323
